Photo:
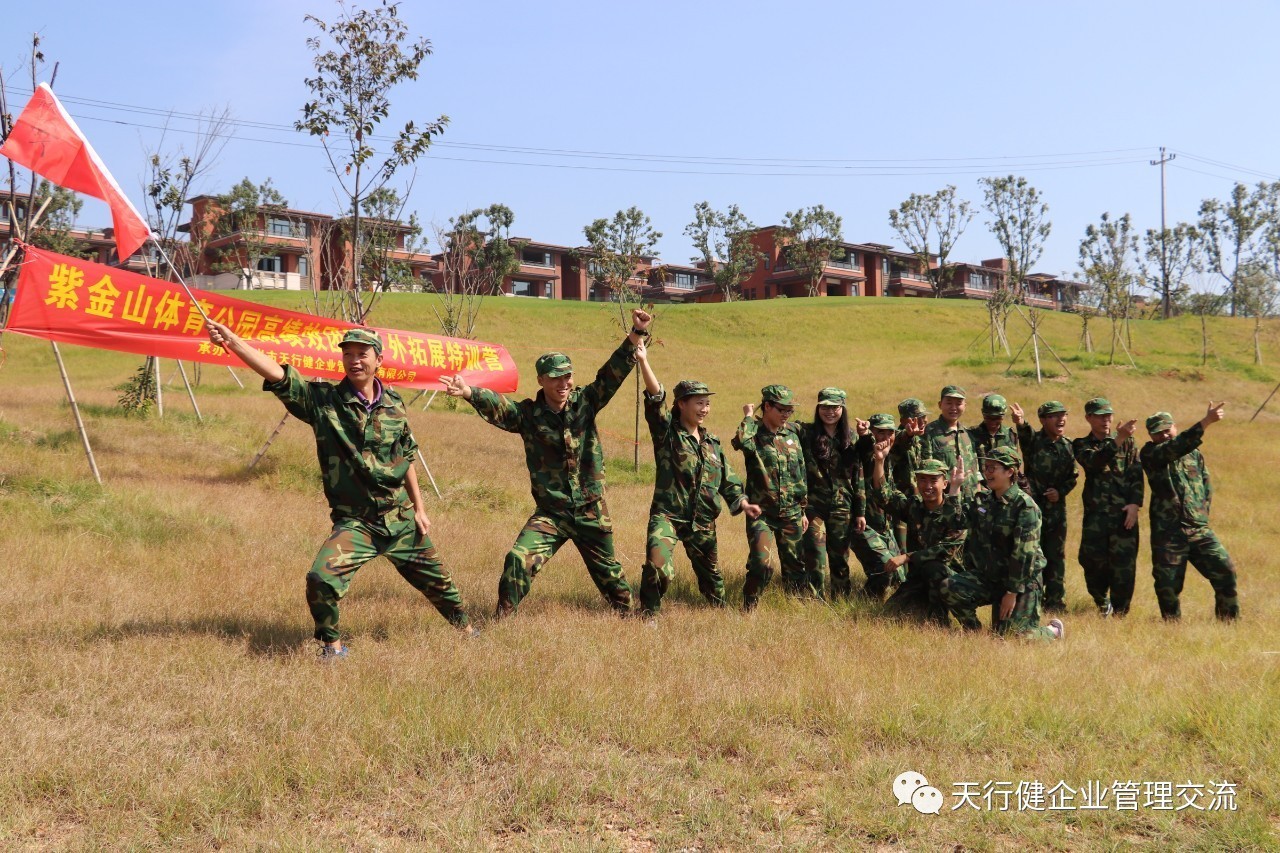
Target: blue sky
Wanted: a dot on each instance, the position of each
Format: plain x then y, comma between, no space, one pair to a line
770,106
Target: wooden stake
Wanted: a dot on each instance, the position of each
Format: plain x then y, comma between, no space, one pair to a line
75,410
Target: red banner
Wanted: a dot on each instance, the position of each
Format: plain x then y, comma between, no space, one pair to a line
78,302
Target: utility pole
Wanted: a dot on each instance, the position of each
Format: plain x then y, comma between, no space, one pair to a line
1166,310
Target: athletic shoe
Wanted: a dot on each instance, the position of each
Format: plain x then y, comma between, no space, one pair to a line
1058,629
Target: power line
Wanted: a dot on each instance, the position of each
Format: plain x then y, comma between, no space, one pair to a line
926,165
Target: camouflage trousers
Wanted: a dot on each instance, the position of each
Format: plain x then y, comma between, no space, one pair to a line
773,544
354,542
826,549
1053,542
659,567
1109,557
1170,551
920,595
543,534
874,549
964,593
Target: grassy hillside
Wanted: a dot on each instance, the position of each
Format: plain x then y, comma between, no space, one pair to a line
159,687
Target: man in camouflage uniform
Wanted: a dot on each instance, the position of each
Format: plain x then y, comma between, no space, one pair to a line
875,545
1112,496
1002,555
777,483
935,544
993,433
1180,498
693,475
365,449
827,457
566,468
900,467
1051,475
946,440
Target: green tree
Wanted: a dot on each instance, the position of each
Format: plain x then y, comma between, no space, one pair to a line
1020,224
1228,233
359,58
244,209
930,226
1257,298
381,269
477,254
811,238
1204,305
1170,257
53,231
1107,255
724,244
616,249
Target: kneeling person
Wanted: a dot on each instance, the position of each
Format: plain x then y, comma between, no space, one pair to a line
935,544
1003,561
366,455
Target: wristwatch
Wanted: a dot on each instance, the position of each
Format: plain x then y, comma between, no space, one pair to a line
639,333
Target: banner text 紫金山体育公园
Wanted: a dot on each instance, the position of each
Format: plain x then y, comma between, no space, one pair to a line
78,302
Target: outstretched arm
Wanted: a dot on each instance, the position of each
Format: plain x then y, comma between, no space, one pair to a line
493,407
220,335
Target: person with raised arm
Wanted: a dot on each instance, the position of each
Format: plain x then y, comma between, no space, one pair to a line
1181,493
566,468
693,479
365,449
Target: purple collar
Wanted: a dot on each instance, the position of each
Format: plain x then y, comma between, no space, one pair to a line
377,395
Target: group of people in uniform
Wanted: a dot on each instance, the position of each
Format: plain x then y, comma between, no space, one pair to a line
944,519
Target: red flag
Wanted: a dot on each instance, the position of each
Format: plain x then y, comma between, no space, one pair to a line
47,141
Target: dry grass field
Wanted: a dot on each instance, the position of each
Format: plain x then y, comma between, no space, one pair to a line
159,687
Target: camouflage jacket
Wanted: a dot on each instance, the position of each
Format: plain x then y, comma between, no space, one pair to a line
561,449
364,453
693,472
904,459
1180,487
776,478
830,482
1112,475
942,442
1004,539
931,533
863,505
984,441
1050,464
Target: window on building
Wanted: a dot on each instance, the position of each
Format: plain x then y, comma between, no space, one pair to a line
304,266
535,257
767,261
527,288
271,263
685,281
278,226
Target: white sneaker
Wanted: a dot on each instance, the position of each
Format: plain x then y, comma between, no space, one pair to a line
1056,626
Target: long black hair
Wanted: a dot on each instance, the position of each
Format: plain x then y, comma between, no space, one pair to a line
829,449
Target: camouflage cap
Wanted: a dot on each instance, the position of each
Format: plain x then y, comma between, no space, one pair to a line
994,404
831,397
779,394
1159,422
1005,456
1051,407
932,468
912,407
883,420
1098,406
690,388
553,364
952,391
361,335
